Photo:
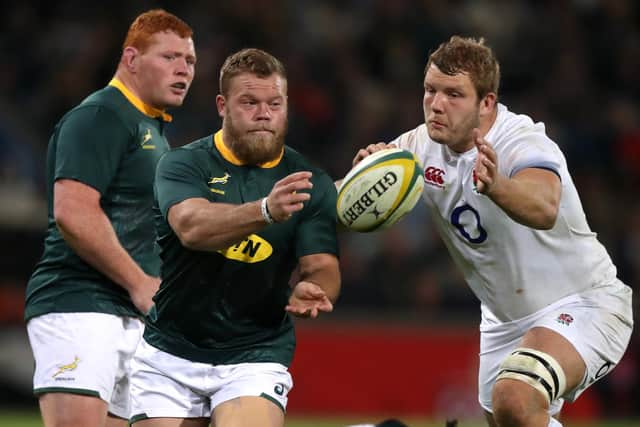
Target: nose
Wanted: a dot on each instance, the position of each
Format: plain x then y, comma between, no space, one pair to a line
436,102
182,67
262,111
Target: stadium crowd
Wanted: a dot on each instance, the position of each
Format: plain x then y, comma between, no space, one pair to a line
355,70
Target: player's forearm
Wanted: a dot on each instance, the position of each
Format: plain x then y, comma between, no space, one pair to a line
209,226
324,271
529,202
93,238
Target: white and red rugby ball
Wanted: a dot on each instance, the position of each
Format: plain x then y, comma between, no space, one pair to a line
380,190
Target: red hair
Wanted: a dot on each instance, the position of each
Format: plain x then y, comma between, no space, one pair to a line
151,22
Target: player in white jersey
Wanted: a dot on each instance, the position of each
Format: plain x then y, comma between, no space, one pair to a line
554,316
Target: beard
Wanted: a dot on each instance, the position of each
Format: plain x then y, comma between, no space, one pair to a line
459,137
254,148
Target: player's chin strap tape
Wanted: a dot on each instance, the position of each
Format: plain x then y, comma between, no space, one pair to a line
536,368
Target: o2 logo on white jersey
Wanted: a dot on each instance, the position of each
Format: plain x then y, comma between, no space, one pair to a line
467,220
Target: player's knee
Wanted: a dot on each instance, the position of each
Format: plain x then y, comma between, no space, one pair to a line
511,406
537,369
528,381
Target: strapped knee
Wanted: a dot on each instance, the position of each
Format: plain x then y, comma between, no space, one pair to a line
536,368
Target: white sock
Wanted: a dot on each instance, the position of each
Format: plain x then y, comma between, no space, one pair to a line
554,423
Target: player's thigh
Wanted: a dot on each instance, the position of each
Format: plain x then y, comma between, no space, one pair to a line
250,392
497,342
71,358
64,409
115,421
598,327
561,349
247,411
270,382
165,387
173,422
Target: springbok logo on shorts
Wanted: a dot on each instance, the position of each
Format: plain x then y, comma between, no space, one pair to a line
64,368
565,319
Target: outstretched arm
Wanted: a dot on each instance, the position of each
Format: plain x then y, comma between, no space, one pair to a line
531,197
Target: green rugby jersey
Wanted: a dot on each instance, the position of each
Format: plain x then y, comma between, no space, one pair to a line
227,307
112,142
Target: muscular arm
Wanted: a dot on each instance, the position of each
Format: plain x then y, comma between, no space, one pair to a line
87,230
531,197
317,287
324,271
206,226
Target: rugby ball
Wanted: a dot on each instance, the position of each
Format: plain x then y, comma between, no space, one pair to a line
379,190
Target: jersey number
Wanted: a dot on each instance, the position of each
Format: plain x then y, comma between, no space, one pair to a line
467,220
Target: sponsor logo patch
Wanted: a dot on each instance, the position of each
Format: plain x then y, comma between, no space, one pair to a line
565,319
434,176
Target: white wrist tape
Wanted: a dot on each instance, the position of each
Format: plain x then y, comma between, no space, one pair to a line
265,212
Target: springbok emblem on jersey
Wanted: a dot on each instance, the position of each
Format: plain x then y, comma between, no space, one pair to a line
220,180
70,367
145,139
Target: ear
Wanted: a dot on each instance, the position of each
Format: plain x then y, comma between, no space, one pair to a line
221,102
487,104
130,58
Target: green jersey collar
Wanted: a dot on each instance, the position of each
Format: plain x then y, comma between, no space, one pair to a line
137,102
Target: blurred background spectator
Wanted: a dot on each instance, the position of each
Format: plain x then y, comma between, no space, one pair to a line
355,77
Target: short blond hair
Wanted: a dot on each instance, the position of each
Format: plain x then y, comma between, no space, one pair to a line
471,56
253,61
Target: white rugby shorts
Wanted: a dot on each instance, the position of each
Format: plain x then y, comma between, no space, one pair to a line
598,323
85,353
167,386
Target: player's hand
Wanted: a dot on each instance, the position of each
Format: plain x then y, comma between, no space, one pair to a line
286,198
485,172
308,300
370,149
142,295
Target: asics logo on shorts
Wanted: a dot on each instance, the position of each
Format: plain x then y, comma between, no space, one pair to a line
70,367
279,389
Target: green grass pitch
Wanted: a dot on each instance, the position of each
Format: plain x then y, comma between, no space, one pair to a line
10,418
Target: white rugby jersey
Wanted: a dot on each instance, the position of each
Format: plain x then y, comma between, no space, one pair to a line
514,270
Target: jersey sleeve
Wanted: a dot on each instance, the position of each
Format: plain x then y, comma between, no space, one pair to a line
316,232
178,178
91,142
529,149
407,141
